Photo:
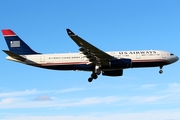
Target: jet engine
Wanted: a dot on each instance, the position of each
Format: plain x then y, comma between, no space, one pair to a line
113,73
120,63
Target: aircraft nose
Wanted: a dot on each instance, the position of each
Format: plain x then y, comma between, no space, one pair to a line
177,58
173,59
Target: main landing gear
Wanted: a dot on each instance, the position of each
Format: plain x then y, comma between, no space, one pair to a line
94,74
161,71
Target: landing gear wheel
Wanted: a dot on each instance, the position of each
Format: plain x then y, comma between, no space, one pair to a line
160,71
94,76
90,79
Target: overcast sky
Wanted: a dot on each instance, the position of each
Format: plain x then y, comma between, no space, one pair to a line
29,93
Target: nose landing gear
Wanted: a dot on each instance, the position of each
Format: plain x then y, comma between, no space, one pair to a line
161,71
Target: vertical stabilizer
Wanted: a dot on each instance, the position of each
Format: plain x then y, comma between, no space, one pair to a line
16,44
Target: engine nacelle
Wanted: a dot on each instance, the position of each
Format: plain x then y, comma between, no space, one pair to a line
88,56
85,52
121,63
81,49
113,73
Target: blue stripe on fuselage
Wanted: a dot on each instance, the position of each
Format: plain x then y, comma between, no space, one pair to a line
69,67
85,67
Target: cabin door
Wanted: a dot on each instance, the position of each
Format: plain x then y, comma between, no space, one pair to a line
42,59
163,55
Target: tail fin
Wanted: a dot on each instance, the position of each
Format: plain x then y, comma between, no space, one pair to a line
16,44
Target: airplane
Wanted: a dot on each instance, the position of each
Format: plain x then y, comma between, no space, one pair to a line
89,57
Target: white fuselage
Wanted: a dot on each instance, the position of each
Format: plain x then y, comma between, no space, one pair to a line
90,58
139,56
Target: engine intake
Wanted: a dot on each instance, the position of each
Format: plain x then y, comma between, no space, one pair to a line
113,73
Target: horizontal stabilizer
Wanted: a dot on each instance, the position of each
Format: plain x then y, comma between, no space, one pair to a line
15,56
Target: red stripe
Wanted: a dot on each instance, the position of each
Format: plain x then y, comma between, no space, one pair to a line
74,63
65,63
8,32
153,60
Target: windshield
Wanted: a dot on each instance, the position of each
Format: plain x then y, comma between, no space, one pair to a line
171,54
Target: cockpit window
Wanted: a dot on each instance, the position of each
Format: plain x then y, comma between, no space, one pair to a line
172,54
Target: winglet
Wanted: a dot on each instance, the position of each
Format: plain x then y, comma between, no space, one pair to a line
8,32
70,33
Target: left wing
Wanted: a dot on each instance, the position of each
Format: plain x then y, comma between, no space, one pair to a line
94,54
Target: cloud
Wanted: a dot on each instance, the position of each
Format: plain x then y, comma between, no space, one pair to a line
148,86
34,91
97,100
7,101
168,95
174,88
43,98
148,99
46,101
20,93
23,99
149,115
69,90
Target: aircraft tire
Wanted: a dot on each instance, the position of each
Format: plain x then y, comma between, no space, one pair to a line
94,76
160,71
90,79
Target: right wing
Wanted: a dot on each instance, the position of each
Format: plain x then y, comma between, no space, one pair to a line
94,54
